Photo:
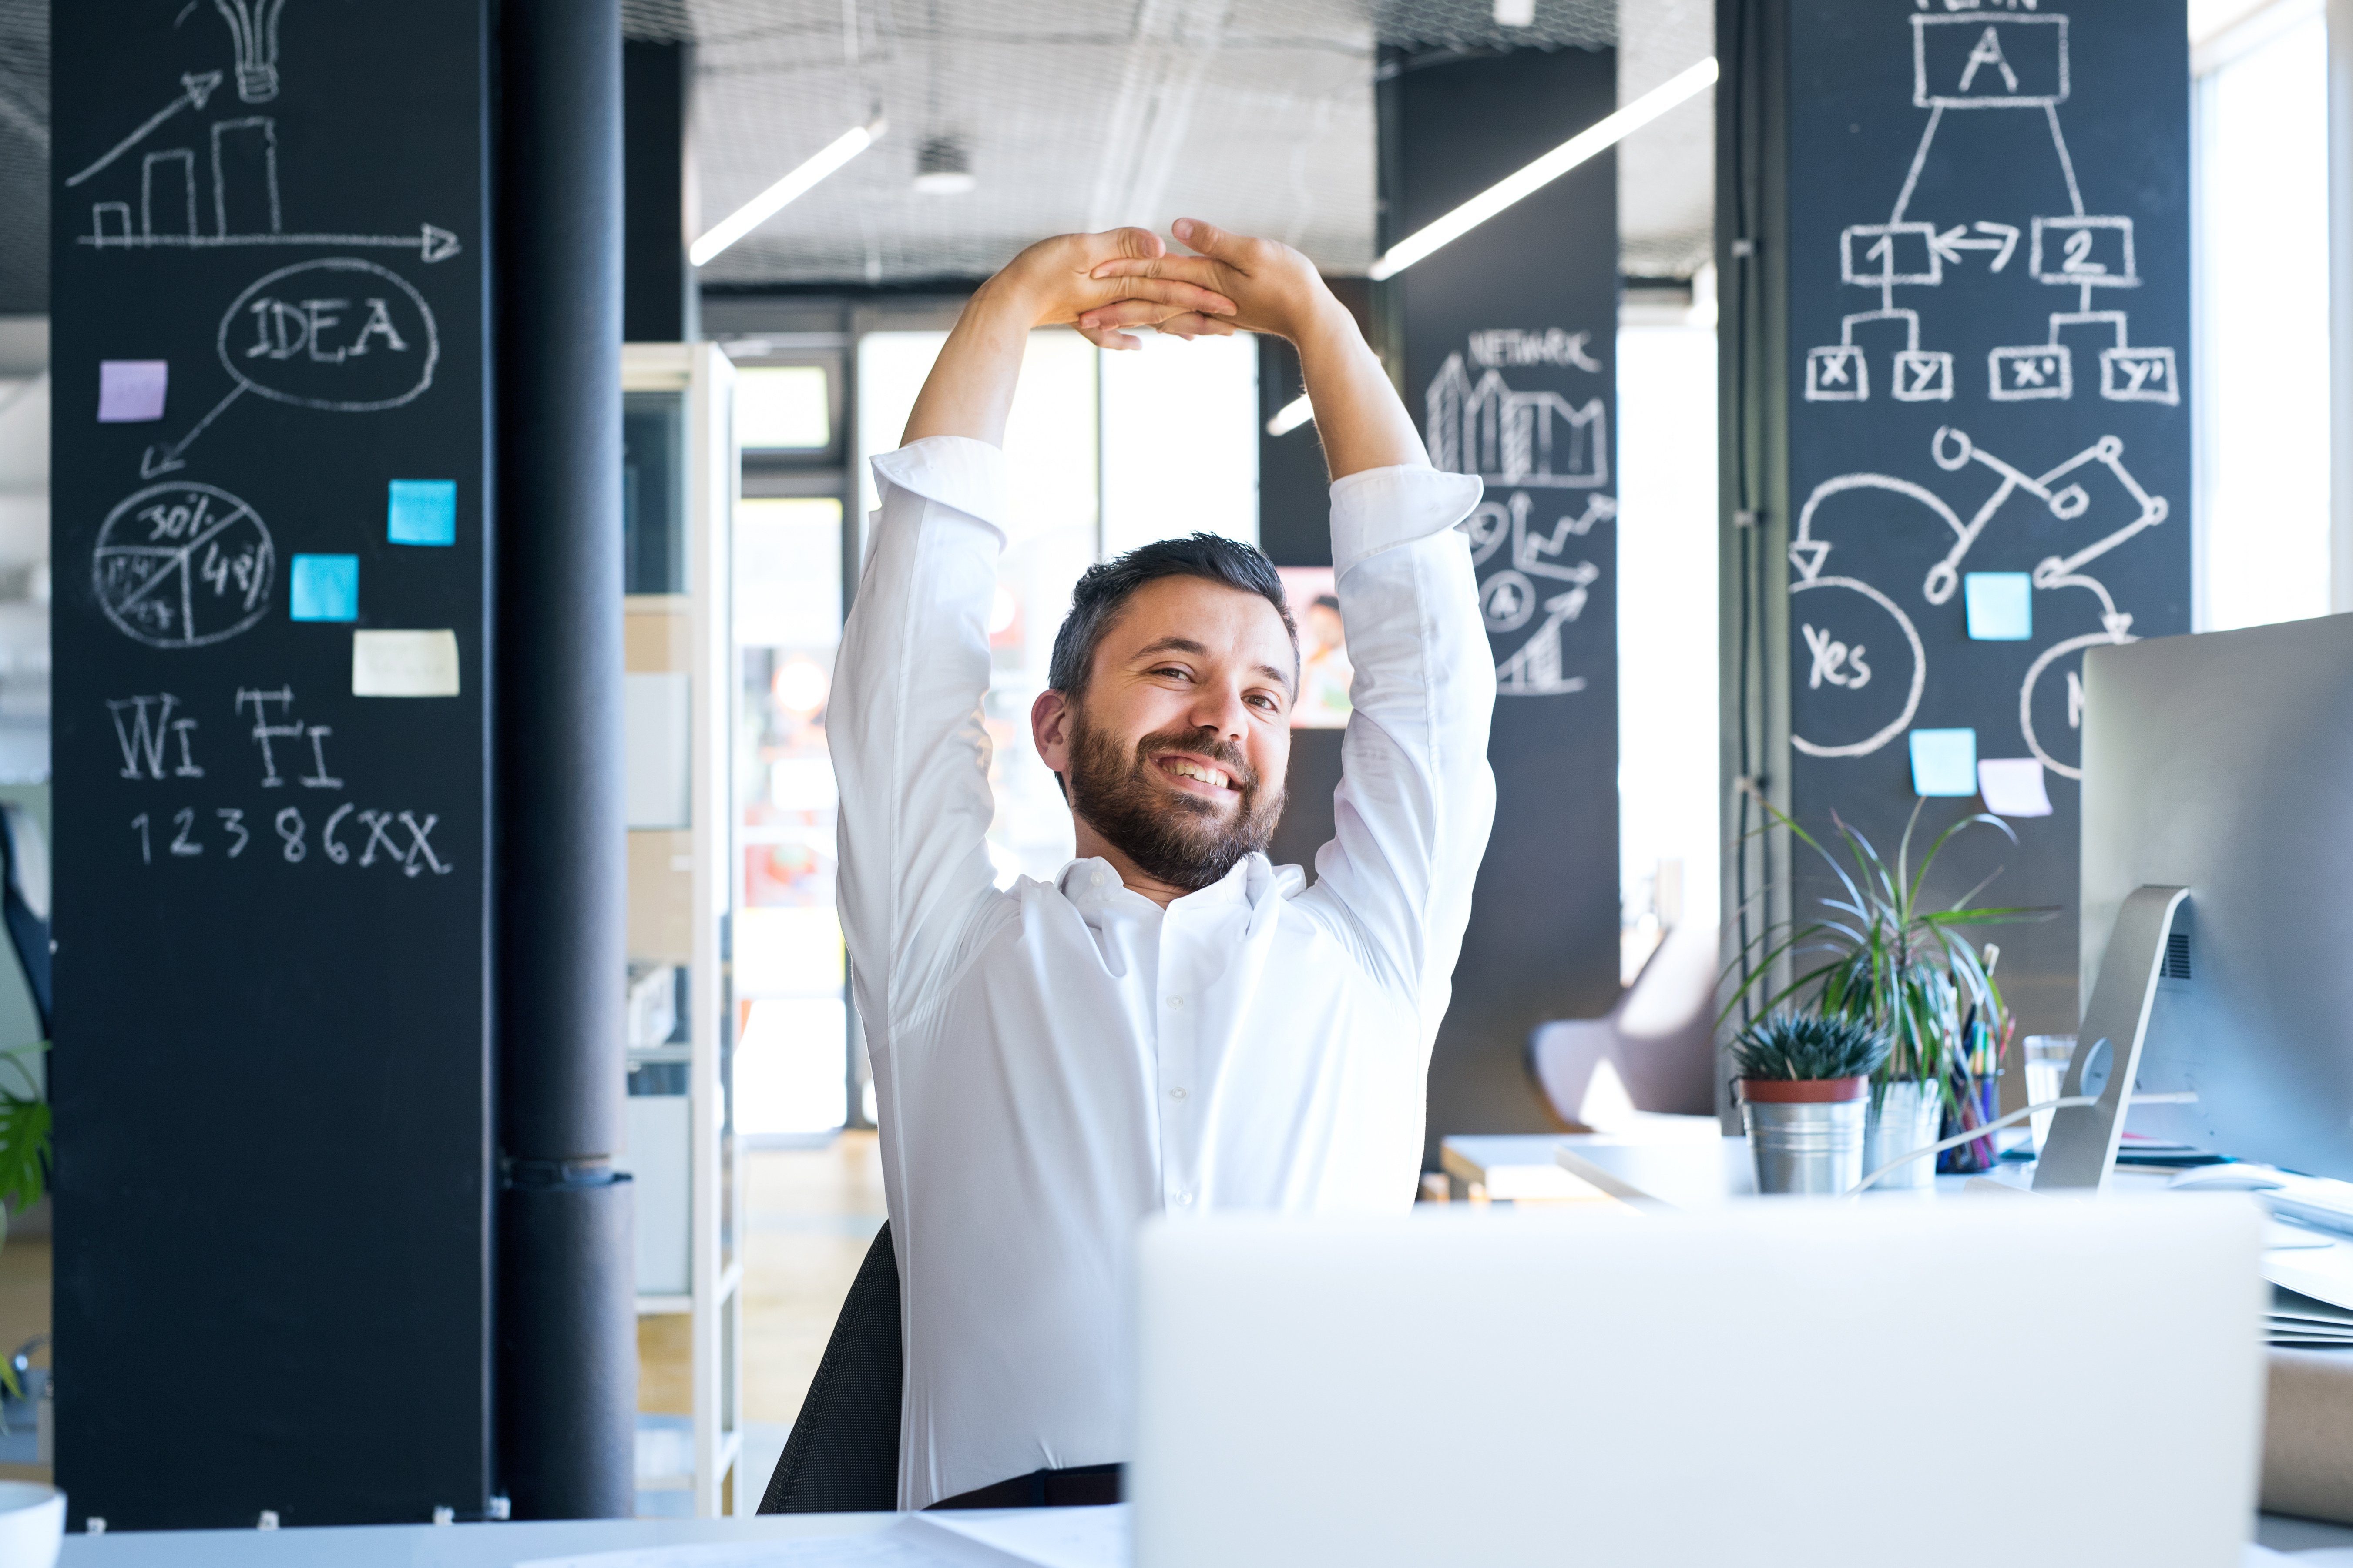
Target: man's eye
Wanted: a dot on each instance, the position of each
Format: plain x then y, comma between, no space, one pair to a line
1179,672
1264,700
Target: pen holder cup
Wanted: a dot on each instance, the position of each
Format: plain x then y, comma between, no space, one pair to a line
1805,1136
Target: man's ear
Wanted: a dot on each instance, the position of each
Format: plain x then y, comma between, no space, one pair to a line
1050,729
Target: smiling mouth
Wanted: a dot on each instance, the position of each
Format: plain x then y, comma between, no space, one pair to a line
1201,773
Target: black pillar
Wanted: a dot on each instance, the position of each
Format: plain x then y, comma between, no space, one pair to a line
1507,342
658,292
567,1328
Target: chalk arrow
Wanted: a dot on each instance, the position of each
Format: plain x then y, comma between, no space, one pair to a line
162,459
1806,555
194,87
437,244
1995,236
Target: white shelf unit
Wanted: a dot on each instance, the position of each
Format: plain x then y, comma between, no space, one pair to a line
704,647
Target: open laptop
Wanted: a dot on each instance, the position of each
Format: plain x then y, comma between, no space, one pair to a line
1839,1385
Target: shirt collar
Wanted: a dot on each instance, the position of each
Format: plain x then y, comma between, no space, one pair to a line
1094,882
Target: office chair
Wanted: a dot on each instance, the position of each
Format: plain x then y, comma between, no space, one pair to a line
1654,1052
843,1454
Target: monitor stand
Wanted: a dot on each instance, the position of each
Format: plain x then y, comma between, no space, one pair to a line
2081,1149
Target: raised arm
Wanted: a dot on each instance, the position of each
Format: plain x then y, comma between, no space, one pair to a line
903,719
1416,796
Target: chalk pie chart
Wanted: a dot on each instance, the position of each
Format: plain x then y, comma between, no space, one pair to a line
181,565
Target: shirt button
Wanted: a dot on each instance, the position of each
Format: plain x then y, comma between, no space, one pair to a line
1175,1004
1175,1094
1184,1200
1095,879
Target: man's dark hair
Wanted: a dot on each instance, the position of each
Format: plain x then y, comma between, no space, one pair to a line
1105,590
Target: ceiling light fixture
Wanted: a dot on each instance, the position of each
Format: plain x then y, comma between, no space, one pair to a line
1291,417
772,200
1599,137
942,168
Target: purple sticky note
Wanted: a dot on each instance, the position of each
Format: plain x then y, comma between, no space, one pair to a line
131,390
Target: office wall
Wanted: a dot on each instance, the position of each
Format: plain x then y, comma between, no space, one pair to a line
271,1071
1956,344
1507,341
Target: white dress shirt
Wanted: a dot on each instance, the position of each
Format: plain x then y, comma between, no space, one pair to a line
1055,1061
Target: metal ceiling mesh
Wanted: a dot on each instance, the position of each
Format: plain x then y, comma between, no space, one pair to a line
24,157
1087,113
1073,113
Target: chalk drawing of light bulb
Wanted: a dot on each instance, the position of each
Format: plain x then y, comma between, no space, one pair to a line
254,24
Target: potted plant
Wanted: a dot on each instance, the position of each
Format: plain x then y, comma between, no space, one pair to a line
23,1159
1802,1079
1879,955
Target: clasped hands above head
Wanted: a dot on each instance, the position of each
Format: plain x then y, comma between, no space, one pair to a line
1127,278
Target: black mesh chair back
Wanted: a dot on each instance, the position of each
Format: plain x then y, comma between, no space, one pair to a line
843,1454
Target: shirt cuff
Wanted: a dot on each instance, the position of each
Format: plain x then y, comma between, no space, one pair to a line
951,470
1383,508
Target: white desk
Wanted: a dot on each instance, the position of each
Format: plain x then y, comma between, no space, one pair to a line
1674,1161
436,1546
504,1545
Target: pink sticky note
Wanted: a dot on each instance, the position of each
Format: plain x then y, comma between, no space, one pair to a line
131,390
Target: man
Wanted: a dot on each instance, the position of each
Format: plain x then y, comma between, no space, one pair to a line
1171,1026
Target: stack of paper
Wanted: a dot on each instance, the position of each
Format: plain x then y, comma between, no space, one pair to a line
2298,1318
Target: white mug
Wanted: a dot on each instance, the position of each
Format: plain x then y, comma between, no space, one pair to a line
32,1524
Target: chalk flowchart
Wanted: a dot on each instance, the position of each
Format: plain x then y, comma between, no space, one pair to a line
1974,60
1849,666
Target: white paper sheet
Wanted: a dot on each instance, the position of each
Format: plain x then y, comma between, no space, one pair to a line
1007,1538
2012,786
404,664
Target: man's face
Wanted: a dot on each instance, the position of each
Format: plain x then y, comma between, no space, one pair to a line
1177,752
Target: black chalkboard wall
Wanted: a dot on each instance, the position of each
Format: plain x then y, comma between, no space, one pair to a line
271,1061
1510,360
1988,373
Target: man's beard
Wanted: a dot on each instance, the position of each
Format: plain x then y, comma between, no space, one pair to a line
1173,837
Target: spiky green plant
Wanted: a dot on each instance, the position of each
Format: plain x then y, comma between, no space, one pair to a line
1808,1048
1878,955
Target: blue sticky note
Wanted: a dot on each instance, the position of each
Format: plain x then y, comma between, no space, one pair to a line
326,588
422,511
131,390
2001,606
1944,761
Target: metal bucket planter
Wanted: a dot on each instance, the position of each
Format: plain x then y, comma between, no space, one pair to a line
1904,1115
1805,1136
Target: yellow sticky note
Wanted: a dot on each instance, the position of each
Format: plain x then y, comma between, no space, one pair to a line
404,664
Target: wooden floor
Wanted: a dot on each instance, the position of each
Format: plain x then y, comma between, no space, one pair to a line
24,1313
812,1213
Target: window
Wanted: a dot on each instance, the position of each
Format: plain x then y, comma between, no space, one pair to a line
788,968
2261,238
1669,815
783,408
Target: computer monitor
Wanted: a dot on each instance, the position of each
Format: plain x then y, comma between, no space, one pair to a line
2223,763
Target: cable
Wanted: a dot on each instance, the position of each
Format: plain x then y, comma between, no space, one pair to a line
1971,1136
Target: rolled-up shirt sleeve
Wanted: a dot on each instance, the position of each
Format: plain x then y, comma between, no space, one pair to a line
1416,798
